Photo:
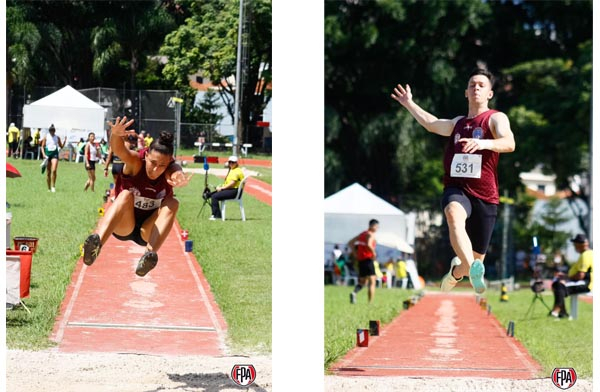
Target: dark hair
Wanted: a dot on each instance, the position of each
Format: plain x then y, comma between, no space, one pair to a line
164,143
484,72
51,128
373,222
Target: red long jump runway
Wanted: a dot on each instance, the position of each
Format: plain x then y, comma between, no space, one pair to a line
444,335
259,189
170,311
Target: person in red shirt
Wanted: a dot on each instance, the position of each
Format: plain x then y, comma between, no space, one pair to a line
471,197
144,208
364,251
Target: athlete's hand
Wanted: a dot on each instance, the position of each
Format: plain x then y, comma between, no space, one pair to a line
120,126
178,179
402,95
472,145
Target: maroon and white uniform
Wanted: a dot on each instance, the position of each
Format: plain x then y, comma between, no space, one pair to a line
475,173
148,194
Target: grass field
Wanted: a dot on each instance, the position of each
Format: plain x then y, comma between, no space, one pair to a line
561,343
235,255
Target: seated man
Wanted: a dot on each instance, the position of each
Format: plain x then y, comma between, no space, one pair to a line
579,279
229,189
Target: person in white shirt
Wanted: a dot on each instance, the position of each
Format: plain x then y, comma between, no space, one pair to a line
51,144
90,157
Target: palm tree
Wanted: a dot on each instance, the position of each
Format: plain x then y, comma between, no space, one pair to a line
123,41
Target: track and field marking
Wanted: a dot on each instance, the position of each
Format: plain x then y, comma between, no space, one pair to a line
141,326
65,319
209,308
441,369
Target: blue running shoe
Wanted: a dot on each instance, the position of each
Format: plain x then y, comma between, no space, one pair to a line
476,273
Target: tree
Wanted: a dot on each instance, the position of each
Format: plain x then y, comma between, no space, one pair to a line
208,42
23,40
369,48
124,40
553,215
537,49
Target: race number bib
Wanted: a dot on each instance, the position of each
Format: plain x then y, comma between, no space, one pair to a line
144,203
466,165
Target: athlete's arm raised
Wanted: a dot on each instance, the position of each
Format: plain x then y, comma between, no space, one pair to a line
118,131
504,140
427,120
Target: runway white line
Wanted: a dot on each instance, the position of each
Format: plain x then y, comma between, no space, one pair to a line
63,323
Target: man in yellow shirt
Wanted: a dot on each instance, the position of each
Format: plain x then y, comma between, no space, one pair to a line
13,138
148,140
580,277
228,190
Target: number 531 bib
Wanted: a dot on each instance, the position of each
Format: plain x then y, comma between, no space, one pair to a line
466,165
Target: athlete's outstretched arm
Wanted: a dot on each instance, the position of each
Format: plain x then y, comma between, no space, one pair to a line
504,139
427,120
175,176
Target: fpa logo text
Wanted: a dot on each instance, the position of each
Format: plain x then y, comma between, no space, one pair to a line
564,378
243,374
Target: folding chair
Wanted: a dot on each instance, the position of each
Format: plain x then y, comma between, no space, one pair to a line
238,199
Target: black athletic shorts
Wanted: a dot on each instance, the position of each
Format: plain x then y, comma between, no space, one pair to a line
366,268
135,235
481,217
92,165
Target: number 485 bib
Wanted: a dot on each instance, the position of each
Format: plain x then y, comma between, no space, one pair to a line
466,165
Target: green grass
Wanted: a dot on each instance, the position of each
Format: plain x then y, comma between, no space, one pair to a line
561,343
61,221
235,255
265,174
552,343
236,259
342,319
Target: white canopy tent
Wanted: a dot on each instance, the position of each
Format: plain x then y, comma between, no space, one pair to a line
69,111
348,212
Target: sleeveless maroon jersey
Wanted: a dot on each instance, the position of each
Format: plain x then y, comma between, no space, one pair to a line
486,187
148,193
362,250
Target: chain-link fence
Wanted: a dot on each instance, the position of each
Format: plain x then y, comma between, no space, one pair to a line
149,108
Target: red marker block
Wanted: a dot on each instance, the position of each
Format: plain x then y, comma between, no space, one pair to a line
362,337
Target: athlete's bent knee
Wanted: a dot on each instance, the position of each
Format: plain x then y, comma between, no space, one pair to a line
455,214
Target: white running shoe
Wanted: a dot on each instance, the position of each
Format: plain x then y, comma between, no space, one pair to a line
353,297
449,281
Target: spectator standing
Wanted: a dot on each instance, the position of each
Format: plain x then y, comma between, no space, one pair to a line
90,157
51,145
13,139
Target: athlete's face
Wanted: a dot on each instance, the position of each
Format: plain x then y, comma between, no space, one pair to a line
156,164
479,89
